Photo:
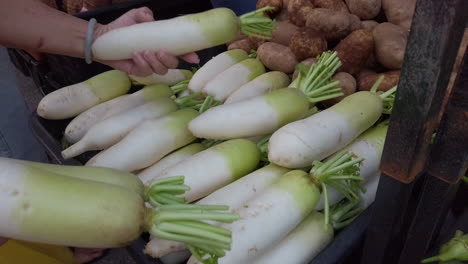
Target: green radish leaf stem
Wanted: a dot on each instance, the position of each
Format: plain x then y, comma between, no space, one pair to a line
256,24
465,179
189,101
343,213
165,191
455,249
174,220
263,147
185,223
208,143
388,98
341,172
180,87
208,103
315,81
252,54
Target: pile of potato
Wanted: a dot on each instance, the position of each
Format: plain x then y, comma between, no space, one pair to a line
369,36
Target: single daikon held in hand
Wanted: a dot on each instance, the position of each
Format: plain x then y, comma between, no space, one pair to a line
183,34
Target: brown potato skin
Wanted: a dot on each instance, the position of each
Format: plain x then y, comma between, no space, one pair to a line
306,62
244,44
239,37
399,12
337,5
331,23
298,11
277,57
257,41
276,4
355,23
282,16
283,32
391,79
347,85
307,43
364,9
369,25
390,44
354,51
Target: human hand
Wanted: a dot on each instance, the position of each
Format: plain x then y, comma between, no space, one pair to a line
147,62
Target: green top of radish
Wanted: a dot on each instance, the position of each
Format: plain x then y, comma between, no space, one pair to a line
174,220
342,173
455,249
315,80
256,24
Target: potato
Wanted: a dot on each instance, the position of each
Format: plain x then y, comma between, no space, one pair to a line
337,5
347,85
354,50
256,41
369,24
306,43
364,72
306,62
355,23
331,23
391,79
283,32
390,44
364,9
239,37
277,57
244,44
283,15
276,4
298,11
399,12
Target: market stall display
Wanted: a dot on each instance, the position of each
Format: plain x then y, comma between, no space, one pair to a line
286,127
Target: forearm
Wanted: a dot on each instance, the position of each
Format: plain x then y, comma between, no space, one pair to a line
32,25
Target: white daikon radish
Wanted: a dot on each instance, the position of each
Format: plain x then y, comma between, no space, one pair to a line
111,130
72,100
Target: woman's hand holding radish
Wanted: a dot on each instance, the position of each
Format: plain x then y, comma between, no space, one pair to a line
146,62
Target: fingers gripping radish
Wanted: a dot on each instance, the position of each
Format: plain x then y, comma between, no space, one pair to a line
228,81
72,100
76,129
83,122
148,142
214,67
294,146
233,195
215,167
94,214
111,130
264,83
183,34
173,76
258,115
152,172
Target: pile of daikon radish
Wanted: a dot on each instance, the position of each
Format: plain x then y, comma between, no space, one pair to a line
241,136
268,171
